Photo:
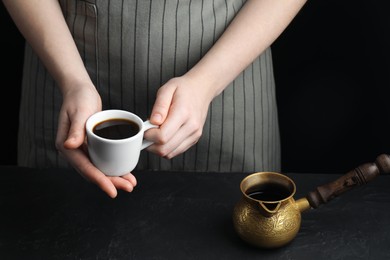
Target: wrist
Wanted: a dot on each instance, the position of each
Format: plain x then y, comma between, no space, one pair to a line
206,81
203,84
72,83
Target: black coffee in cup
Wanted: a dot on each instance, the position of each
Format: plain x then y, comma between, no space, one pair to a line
116,128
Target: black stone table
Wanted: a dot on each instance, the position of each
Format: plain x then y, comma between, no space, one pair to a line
56,214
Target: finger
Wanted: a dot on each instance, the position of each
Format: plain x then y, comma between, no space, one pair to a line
168,129
76,134
86,169
130,177
174,123
184,137
164,134
122,184
162,104
184,146
63,129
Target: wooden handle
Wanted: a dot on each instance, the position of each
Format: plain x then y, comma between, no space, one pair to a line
357,177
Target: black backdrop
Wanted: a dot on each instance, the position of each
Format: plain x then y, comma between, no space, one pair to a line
331,67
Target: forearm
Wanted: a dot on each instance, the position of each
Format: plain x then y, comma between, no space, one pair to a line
42,24
254,29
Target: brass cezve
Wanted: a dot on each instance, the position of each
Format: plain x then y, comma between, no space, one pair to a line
272,224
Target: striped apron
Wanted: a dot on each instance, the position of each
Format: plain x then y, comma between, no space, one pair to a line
132,47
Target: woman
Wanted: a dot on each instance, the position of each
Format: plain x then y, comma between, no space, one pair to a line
201,70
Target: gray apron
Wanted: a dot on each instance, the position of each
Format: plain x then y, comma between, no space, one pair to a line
132,47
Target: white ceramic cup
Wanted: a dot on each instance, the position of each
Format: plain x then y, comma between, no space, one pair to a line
116,157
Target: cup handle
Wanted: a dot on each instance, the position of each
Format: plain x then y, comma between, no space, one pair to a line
146,126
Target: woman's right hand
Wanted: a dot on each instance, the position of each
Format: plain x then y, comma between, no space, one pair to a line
80,101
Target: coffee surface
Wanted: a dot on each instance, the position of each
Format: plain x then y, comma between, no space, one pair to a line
269,192
116,129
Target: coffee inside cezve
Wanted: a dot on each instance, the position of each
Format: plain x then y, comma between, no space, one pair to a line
116,129
269,192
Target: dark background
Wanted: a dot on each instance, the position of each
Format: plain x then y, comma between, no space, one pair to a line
331,67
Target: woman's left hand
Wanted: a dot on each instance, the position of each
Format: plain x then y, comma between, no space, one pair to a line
180,109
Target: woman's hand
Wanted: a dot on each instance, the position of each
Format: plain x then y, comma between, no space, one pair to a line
79,103
182,103
43,25
180,109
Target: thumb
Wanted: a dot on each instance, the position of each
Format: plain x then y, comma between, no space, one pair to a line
162,104
76,134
